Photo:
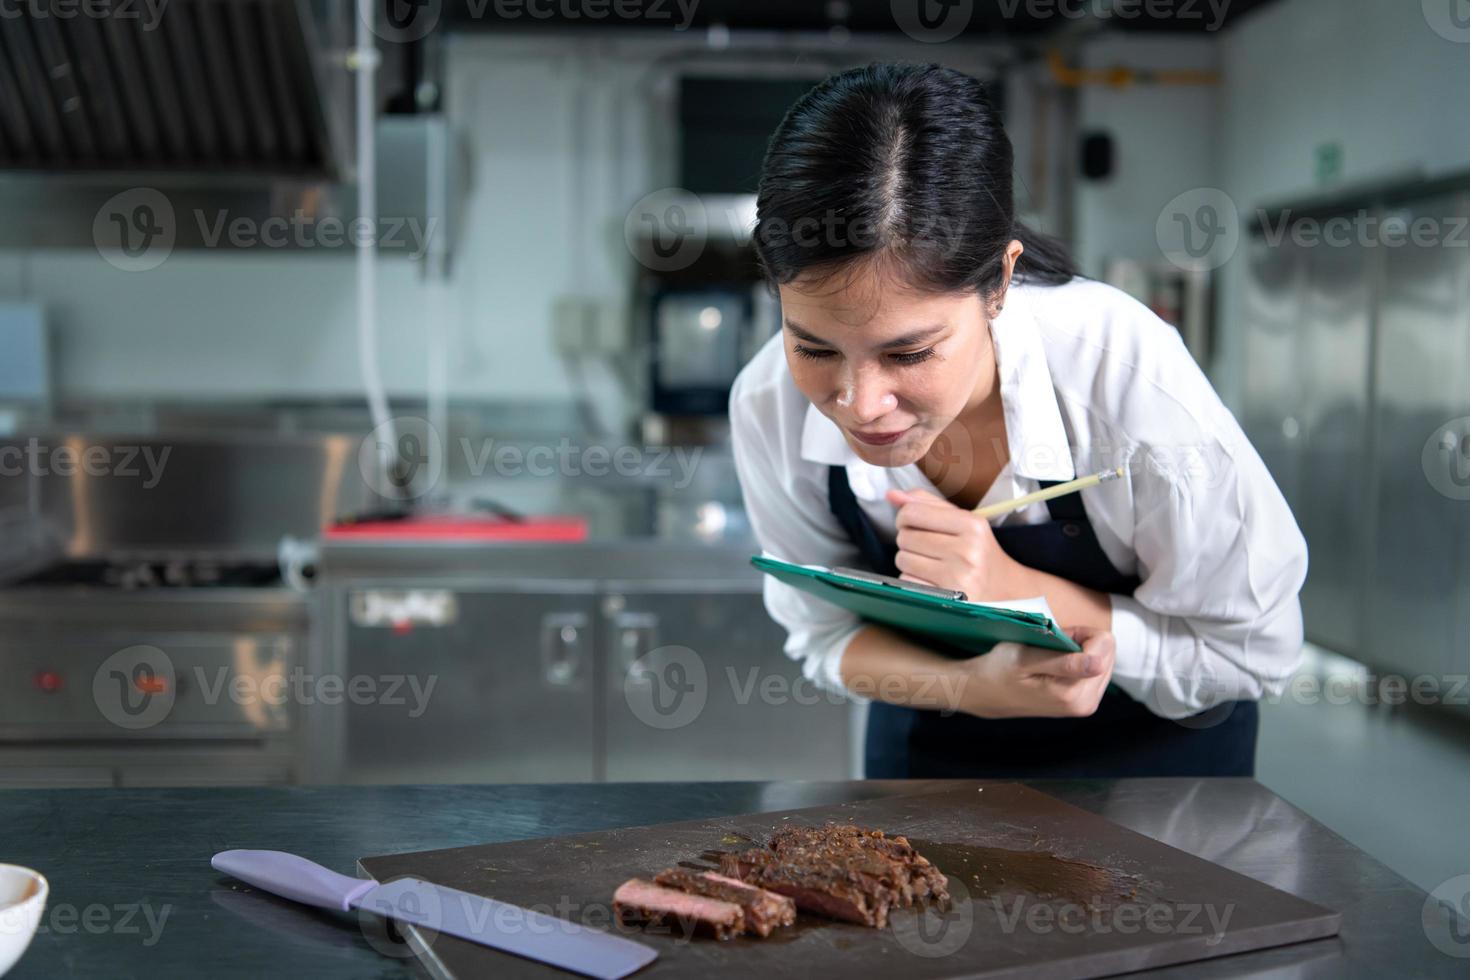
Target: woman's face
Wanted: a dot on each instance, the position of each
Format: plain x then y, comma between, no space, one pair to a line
893,367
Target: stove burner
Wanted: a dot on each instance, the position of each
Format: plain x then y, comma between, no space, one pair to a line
172,573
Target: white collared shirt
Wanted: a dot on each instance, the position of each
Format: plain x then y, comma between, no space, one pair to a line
1090,379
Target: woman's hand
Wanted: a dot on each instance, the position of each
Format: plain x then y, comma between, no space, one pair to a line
949,547
1015,681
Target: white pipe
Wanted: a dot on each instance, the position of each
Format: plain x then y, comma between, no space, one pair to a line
365,61
436,266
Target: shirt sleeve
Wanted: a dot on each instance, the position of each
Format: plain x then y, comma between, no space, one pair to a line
1222,560
789,513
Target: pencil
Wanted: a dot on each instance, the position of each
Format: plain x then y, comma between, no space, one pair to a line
1061,489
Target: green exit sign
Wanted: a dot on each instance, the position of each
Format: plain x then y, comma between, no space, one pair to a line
1329,163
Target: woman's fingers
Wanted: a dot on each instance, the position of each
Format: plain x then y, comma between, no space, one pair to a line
929,571
932,514
1095,659
930,544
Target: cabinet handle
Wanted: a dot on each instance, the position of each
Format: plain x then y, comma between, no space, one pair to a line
635,633
562,654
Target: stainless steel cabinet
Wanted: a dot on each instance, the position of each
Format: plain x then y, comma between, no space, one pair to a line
1415,601
511,669
1358,356
1332,369
697,687
617,661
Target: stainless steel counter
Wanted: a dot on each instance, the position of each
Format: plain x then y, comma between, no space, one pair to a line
140,860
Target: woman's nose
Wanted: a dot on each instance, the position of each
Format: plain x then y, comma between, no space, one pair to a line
867,398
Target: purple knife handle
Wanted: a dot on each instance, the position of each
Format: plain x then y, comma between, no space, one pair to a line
293,877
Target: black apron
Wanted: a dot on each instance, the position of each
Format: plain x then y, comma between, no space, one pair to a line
1123,738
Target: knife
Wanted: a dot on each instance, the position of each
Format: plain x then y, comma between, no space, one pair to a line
498,925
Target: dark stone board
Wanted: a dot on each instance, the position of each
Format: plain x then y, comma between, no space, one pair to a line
1041,889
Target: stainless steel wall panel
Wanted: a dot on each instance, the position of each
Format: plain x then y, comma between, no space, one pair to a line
1417,581
1332,375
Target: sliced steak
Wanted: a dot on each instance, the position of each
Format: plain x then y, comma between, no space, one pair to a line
764,910
816,883
641,901
923,880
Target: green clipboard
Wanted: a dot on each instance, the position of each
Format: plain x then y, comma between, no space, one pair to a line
951,621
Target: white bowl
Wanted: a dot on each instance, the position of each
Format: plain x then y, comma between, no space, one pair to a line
22,899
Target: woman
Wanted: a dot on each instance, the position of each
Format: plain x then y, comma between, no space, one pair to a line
934,356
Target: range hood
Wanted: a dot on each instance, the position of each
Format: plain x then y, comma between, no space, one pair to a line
225,87
216,115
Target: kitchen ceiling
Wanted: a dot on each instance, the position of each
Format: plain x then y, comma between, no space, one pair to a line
986,19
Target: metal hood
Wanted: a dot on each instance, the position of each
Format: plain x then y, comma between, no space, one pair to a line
211,88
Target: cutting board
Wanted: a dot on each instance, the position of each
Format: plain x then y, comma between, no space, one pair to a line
1040,888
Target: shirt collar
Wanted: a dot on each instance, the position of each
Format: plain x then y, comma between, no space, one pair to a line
1034,430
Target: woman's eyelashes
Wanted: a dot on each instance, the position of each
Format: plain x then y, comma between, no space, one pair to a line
909,357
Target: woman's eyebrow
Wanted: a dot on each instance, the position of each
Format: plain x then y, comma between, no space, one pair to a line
907,340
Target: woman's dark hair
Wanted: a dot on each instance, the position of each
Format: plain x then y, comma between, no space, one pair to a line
906,164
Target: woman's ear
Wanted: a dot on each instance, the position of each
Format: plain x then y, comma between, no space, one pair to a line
1013,253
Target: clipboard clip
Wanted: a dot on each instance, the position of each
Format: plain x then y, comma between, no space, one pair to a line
873,578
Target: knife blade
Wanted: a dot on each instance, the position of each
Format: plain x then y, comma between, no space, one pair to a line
439,909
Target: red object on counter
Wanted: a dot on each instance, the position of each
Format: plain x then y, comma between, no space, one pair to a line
432,528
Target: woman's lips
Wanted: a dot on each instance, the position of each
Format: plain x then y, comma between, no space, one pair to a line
878,438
